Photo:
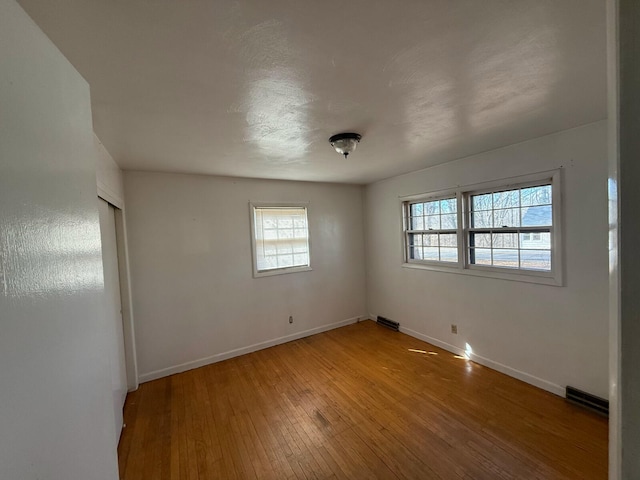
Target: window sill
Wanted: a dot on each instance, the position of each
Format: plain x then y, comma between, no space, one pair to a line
514,277
281,271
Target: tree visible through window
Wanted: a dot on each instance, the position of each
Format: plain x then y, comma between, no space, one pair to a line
511,228
432,230
496,229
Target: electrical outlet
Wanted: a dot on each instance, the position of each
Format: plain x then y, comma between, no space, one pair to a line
290,318
454,328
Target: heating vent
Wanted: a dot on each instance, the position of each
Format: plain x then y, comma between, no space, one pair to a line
388,323
597,404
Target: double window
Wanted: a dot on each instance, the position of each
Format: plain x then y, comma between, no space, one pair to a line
280,235
504,229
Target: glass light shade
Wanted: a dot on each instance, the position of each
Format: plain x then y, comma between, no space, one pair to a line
345,143
345,146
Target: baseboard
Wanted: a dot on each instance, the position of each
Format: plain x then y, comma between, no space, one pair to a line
219,357
512,372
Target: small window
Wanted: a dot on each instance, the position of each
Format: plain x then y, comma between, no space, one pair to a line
280,239
431,233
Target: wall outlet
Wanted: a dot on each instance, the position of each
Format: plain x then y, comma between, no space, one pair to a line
454,328
290,318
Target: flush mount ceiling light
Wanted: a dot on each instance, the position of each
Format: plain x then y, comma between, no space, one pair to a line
345,143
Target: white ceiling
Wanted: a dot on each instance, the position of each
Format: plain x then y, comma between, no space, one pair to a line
255,88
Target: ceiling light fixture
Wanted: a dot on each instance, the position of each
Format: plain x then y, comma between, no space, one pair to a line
345,143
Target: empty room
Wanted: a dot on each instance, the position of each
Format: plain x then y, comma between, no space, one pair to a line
319,240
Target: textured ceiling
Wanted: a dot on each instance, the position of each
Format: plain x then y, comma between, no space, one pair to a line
255,88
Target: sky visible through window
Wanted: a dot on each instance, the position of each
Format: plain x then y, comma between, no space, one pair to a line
438,219
512,228
506,229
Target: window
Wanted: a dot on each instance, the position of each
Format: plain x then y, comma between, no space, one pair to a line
511,228
280,237
432,230
505,229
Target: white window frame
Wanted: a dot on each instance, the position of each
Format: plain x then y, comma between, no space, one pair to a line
553,277
442,195
252,220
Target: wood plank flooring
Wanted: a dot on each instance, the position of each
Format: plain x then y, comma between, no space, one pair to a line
355,403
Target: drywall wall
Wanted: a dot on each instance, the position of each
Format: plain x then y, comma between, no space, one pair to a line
56,422
108,175
194,294
615,320
625,262
547,335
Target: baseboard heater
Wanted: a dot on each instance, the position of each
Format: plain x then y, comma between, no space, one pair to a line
385,322
596,404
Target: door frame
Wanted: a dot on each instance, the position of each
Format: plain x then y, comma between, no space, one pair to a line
131,363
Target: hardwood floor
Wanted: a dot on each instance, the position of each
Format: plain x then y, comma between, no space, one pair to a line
355,403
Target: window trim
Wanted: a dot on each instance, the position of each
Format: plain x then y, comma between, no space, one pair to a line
252,221
555,277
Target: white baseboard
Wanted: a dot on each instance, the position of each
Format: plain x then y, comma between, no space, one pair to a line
512,372
219,357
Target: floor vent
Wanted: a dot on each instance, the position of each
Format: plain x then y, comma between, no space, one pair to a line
388,323
597,404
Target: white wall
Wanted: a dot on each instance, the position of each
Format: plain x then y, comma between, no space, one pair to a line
108,175
195,298
550,336
625,260
615,320
56,421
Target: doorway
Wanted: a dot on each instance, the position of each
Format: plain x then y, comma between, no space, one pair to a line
113,309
